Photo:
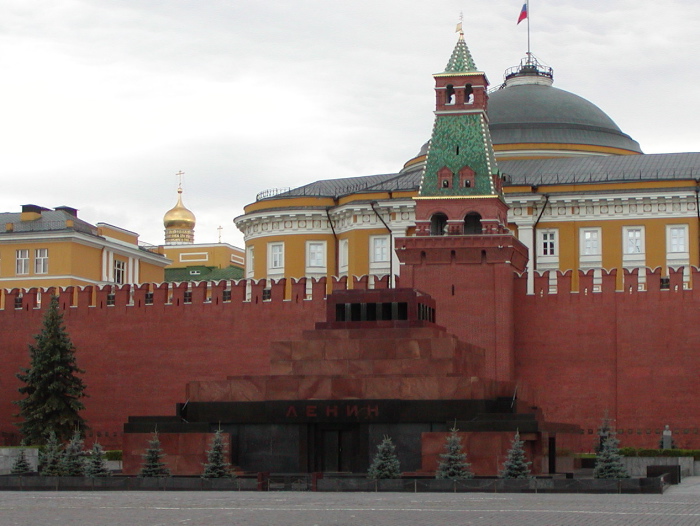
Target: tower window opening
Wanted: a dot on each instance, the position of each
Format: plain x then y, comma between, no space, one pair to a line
472,224
457,150
449,95
467,183
468,94
438,225
445,183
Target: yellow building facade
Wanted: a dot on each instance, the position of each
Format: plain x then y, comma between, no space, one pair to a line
40,247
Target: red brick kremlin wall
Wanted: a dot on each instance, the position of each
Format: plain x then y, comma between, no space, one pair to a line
634,354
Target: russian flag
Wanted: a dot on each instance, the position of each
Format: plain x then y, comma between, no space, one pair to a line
523,13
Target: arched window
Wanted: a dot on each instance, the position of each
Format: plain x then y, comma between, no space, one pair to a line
468,94
438,224
472,224
449,94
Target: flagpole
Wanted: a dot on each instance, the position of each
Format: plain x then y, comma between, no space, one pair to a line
529,58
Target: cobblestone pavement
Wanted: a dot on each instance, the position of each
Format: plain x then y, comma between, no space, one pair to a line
678,506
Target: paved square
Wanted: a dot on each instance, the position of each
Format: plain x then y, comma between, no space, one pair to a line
679,506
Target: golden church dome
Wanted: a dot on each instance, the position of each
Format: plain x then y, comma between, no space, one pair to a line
179,216
179,223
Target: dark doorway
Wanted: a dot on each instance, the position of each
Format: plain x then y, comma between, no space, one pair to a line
552,458
337,448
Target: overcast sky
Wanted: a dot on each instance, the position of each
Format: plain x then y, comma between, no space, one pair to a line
103,101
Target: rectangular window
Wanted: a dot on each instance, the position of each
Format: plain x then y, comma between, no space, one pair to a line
677,239
315,254
250,262
343,255
41,261
119,272
634,240
277,255
380,249
591,242
22,261
548,243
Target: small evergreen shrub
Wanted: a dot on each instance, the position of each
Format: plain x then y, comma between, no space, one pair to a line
608,463
516,465
72,461
153,465
50,457
21,465
453,462
216,466
96,465
385,464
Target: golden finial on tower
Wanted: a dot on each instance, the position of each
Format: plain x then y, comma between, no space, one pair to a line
459,25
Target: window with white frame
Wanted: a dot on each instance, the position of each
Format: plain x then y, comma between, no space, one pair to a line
547,249
41,261
590,249
22,265
380,249
380,252
275,258
316,254
633,239
590,241
119,271
548,243
678,251
677,239
343,253
250,262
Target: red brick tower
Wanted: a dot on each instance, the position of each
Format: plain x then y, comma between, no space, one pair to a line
463,254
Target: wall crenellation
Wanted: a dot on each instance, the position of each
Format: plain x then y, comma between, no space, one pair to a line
596,282
176,294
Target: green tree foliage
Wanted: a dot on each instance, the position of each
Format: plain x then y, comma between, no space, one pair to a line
453,462
52,387
73,460
95,465
21,465
385,464
50,457
604,432
216,466
153,465
608,462
516,465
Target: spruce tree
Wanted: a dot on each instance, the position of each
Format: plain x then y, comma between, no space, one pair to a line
73,459
95,465
453,462
153,465
50,457
216,466
385,464
516,465
21,465
52,387
604,432
608,462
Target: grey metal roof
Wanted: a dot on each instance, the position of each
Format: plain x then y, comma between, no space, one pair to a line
50,220
534,113
591,169
405,180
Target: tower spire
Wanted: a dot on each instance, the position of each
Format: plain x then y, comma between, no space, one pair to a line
461,60
460,179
